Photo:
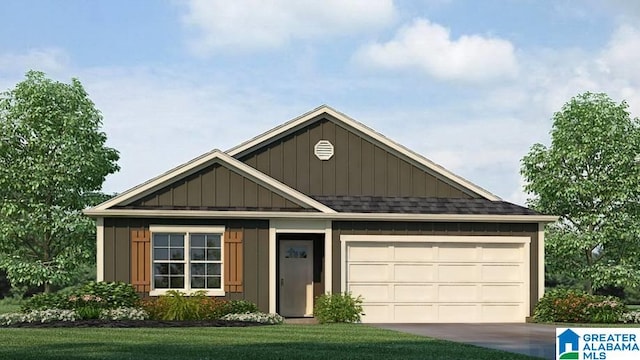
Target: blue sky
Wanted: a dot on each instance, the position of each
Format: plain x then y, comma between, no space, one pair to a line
469,84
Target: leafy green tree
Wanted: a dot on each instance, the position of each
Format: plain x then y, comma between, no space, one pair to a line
590,177
53,160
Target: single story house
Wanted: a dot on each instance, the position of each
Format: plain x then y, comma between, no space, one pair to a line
323,203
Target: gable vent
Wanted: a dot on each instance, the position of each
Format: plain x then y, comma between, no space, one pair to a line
323,150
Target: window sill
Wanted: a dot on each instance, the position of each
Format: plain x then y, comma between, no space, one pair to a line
187,292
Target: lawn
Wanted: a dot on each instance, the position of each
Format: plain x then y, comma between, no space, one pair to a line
8,308
338,341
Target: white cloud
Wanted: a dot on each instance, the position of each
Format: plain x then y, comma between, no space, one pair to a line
159,119
428,47
621,58
258,24
47,59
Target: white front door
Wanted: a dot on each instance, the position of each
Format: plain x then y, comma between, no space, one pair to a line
296,278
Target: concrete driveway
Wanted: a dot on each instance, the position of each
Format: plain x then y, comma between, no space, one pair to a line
529,339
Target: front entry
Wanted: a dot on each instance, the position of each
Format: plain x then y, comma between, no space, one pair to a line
296,278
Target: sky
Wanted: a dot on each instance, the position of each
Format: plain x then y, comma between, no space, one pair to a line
471,85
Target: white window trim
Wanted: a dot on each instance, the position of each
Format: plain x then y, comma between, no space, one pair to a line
188,230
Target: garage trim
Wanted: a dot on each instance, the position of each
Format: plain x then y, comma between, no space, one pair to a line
478,239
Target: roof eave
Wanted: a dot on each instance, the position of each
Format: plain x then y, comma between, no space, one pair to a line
326,216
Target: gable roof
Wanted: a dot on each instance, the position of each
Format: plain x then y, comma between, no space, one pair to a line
305,119
199,163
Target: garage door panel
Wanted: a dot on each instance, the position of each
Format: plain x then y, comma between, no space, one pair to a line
501,273
458,313
503,252
501,313
377,313
458,293
414,293
369,272
414,313
413,252
458,273
414,272
372,292
370,251
457,252
501,293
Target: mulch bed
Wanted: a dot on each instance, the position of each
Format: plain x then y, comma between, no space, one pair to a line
134,324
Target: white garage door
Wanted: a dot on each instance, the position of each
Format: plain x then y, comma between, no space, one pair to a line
442,281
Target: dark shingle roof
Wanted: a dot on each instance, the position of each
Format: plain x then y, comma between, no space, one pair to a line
417,205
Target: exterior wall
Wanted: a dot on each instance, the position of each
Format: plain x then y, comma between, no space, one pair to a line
430,228
216,187
359,167
117,247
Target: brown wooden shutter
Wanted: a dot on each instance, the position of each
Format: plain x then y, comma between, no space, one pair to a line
141,260
233,257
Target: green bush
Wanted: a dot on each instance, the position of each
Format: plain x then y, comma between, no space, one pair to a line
46,301
241,307
212,308
112,295
115,294
175,305
569,305
338,308
606,310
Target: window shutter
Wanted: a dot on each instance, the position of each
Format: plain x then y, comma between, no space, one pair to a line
233,261
140,260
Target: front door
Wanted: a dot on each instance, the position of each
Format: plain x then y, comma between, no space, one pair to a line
296,278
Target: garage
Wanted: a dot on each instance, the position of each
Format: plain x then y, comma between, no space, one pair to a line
438,279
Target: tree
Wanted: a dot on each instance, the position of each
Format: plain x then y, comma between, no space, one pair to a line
590,177
53,159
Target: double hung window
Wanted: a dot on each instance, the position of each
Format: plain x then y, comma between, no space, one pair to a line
187,259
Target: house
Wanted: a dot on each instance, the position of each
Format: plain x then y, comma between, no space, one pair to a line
320,204
568,342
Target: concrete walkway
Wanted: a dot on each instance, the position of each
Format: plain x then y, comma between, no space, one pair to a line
529,339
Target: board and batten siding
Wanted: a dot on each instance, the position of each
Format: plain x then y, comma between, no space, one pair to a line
439,229
216,187
255,252
358,167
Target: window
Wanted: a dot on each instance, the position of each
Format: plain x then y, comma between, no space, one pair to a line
187,259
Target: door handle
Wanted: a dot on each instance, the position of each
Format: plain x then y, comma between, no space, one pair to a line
281,282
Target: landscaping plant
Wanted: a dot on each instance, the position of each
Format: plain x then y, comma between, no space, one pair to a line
569,305
338,308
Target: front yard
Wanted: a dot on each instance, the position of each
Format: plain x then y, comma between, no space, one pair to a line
337,341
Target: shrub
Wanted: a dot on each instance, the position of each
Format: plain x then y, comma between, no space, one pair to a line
112,294
124,313
257,317
241,307
115,294
46,301
42,316
632,317
339,308
605,310
175,305
212,308
178,306
568,305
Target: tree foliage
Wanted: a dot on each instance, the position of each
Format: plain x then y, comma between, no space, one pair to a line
53,160
590,177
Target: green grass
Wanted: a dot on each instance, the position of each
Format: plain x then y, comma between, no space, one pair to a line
8,308
337,341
